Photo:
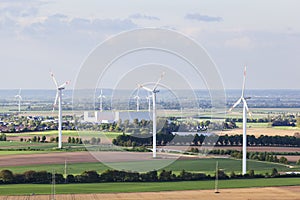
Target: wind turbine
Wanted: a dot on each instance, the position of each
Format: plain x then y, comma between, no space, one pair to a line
154,91
18,96
101,96
59,89
245,110
149,102
137,97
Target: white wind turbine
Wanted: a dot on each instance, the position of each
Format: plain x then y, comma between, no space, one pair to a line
149,102
59,89
19,97
245,110
154,91
101,96
137,97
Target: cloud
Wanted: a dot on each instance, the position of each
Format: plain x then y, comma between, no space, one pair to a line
61,24
240,42
143,16
204,18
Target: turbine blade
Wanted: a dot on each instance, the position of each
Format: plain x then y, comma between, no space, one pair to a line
56,98
247,108
64,84
54,80
145,88
235,105
20,92
160,78
244,81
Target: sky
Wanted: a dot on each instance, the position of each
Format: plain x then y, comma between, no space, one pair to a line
38,36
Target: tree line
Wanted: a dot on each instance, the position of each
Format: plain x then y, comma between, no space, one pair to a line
200,139
44,177
261,156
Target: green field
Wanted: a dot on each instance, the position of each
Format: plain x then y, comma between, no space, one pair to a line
254,125
201,165
66,133
28,189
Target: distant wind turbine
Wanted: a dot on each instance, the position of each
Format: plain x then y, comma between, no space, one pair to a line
137,97
154,91
19,97
149,102
101,96
245,110
59,89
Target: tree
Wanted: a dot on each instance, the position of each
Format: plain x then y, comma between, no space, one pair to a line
70,178
274,172
34,139
6,176
3,137
69,139
165,175
232,174
251,173
93,141
44,138
283,160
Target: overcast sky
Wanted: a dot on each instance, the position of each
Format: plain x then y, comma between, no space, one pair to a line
37,36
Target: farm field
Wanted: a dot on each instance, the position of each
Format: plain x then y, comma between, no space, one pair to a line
281,131
94,188
77,162
266,193
106,137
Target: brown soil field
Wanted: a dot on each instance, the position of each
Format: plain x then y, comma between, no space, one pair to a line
79,157
259,131
267,193
292,158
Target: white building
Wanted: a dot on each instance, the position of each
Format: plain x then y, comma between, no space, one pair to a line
114,116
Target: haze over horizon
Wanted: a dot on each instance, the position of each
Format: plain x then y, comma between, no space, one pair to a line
37,36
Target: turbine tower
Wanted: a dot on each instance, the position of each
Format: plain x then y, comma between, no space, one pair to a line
59,89
154,91
149,102
18,96
245,110
101,96
137,97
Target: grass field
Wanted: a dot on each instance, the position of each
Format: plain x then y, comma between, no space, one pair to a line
199,165
65,133
26,189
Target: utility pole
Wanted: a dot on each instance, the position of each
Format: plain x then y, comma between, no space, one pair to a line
217,178
65,171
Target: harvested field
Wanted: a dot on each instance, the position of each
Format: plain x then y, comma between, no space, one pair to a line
260,131
292,158
78,157
274,193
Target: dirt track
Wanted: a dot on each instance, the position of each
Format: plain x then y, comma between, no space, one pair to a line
274,193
